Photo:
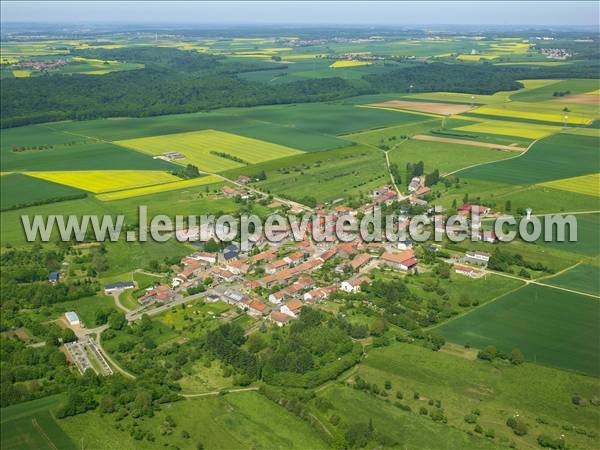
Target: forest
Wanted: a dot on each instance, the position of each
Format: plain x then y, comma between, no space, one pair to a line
176,81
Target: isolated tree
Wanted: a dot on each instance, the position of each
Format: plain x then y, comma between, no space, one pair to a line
117,320
68,335
517,357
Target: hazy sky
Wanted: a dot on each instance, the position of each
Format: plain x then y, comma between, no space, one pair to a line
320,12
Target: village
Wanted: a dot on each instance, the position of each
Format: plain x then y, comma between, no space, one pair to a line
274,281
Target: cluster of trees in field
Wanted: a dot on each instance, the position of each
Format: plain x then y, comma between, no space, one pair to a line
230,157
188,172
401,306
501,260
34,372
176,81
24,275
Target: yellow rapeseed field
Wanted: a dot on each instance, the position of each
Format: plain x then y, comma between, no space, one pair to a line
137,192
476,57
100,181
199,148
585,184
342,64
504,127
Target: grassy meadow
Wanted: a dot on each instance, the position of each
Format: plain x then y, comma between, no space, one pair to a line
498,390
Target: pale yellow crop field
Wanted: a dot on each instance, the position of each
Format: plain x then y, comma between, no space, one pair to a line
585,184
475,57
198,145
137,192
504,127
342,64
511,111
21,73
596,92
293,56
100,181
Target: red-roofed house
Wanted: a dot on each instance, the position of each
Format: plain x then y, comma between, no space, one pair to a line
360,260
404,260
292,308
319,294
276,266
254,307
353,285
279,318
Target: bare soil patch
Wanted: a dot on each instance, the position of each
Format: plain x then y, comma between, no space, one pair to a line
511,148
426,107
460,351
581,99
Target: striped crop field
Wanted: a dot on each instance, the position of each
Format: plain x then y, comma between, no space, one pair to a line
585,184
211,150
101,181
558,117
147,190
344,64
504,127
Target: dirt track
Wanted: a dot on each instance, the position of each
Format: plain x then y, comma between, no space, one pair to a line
424,137
426,107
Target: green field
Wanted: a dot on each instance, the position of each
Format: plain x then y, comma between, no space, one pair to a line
550,326
307,127
79,156
443,156
588,238
239,420
584,277
544,93
31,426
21,190
407,430
559,156
86,308
199,148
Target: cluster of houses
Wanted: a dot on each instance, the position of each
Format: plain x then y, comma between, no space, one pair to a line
276,280
41,65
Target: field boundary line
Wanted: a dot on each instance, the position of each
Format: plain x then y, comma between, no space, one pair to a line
498,160
437,116
225,391
477,308
42,433
77,134
373,130
552,275
536,282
